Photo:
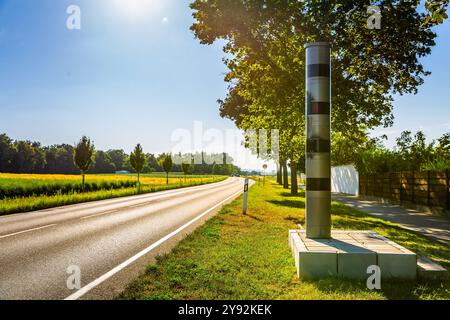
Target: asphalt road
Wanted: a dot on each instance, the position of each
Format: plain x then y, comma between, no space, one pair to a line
108,241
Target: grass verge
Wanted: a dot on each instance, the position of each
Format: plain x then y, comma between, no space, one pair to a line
26,204
247,257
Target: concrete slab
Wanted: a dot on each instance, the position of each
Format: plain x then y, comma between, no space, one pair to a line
349,253
430,270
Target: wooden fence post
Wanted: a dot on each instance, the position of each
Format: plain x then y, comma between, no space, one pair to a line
374,184
447,177
428,188
401,186
390,185
367,184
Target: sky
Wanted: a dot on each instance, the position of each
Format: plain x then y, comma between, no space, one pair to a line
134,73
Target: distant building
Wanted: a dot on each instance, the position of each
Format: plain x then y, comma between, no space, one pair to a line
123,172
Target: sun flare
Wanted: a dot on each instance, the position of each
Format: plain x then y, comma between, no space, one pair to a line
137,9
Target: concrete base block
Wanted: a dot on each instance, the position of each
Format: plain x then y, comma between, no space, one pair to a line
353,265
398,266
430,270
314,265
348,254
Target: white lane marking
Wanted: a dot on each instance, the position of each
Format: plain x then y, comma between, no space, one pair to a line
99,214
29,230
126,263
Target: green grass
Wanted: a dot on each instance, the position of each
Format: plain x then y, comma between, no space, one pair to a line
26,204
28,185
15,188
247,257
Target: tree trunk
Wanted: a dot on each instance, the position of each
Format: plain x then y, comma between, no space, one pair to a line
83,178
279,174
285,176
294,183
139,182
167,178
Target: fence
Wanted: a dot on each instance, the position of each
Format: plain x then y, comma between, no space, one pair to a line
428,188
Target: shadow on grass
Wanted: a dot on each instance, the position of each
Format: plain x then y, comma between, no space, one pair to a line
289,203
290,195
294,220
391,290
254,218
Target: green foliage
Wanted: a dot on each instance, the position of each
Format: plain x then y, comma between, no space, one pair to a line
186,168
138,159
83,155
265,47
437,11
411,153
31,157
165,161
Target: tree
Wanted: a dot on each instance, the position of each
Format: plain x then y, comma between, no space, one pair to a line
6,153
165,161
28,157
83,156
437,11
265,41
103,163
186,167
118,158
59,159
137,161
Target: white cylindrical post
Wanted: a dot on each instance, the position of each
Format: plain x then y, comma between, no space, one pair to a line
318,143
244,206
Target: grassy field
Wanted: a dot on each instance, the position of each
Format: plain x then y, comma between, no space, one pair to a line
28,192
247,257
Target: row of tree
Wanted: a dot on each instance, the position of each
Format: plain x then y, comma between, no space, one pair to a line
411,152
31,157
264,45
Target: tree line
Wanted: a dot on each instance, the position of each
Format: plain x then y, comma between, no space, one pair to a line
264,44
411,152
18,156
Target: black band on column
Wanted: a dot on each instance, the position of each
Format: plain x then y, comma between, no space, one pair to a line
318,146
319,108
318,184
318,70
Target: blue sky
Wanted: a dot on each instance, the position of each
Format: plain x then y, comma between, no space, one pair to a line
135,73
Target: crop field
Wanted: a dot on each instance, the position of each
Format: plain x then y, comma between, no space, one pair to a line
27,192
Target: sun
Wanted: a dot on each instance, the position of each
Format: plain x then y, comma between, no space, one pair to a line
137,9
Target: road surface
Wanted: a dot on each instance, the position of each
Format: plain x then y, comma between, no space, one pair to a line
108,241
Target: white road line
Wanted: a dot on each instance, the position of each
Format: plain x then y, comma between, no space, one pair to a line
99,214
29,230
126,263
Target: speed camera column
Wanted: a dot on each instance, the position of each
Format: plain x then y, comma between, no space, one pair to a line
318,140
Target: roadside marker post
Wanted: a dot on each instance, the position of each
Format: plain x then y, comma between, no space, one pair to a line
244,206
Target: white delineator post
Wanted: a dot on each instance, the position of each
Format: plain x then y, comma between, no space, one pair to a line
244,205
318,143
